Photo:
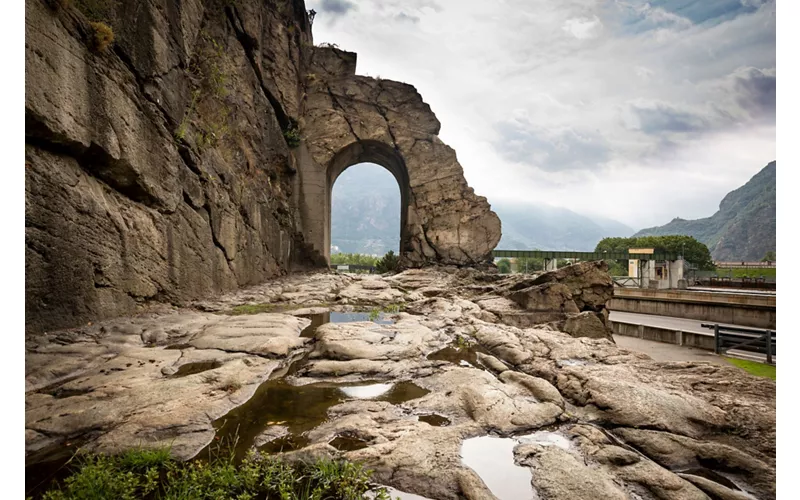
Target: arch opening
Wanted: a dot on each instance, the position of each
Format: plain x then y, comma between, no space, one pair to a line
375,155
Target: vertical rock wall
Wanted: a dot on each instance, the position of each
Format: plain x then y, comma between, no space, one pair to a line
157,169
196,154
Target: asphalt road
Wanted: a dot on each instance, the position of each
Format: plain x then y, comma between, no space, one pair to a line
670,352
668,322
661,351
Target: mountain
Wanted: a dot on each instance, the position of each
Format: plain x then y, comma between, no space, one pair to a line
744,226
365,211
528,226
366,219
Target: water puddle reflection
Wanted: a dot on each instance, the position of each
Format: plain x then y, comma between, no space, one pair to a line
492,458
300,409
435,420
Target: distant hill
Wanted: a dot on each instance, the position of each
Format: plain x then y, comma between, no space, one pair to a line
744,226
365,211
366,219
528,226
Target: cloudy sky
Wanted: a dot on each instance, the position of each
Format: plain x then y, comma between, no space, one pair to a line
638,111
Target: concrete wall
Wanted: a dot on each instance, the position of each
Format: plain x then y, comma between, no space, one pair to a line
745,310
700,341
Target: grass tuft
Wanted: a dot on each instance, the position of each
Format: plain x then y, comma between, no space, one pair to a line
754,368
103,36
251,309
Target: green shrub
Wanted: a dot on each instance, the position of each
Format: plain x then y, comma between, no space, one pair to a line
152,474
102,36
388,263
353,259
292,138
292,134
504,266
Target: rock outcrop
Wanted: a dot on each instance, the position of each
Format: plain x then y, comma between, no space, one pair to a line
404,395
194,155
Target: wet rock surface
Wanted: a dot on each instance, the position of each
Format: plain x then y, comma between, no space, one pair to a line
412,374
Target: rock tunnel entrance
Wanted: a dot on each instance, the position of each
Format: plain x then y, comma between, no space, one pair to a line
368,152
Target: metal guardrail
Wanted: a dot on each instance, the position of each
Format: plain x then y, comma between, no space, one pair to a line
743,339
627,281
585,256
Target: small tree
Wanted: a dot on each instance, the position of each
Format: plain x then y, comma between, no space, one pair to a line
504,266
388,263
529,264
769,257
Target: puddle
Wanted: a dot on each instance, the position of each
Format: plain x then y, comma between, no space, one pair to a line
546,438
492,458
465,356
300,409
195,367
367,391
571,362
347,443
318,320
435,420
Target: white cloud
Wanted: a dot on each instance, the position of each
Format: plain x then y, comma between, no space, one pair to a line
537,110
583,29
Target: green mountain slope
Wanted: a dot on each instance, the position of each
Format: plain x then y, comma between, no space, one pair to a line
744,226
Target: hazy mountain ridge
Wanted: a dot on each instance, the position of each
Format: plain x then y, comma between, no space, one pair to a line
744,227
366,219
528,226
365,211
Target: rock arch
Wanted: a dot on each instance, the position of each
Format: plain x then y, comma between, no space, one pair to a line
348,119
370,152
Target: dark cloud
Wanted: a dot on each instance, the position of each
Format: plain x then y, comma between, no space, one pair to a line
755,91
407,18
565,150
661,118
337,7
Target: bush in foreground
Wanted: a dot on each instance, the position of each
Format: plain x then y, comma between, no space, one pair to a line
388,263
148,474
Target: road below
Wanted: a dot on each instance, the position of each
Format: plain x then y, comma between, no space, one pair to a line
661,351
667,322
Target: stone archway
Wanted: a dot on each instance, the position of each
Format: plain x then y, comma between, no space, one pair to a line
369,152
349,119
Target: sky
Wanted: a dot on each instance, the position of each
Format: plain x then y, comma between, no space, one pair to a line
632,110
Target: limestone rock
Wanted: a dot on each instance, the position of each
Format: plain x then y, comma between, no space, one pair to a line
588,417
540,388
585,324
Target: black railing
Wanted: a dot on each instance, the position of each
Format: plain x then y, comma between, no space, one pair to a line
743,339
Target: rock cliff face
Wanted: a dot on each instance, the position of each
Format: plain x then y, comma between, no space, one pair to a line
166,166
744,227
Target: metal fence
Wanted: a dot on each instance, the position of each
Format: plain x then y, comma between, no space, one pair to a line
743,339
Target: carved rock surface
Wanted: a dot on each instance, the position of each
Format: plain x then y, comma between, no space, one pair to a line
193,156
